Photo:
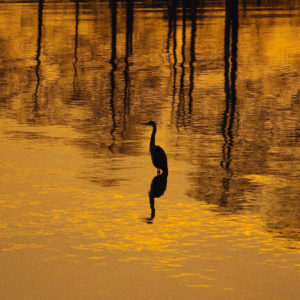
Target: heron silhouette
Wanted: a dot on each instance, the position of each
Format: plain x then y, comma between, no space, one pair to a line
158,155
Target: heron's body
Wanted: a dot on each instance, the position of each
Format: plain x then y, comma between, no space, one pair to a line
158,155
159,158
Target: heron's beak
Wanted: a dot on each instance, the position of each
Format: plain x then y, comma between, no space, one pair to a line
145,124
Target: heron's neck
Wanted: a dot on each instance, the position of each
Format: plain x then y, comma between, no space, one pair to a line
152,141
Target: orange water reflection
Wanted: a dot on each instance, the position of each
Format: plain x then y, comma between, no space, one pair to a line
78,80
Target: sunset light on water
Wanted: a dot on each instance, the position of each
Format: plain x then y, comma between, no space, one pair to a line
84,213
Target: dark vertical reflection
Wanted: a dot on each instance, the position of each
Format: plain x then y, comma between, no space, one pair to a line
129,32
173,15
157,189
172,9
230,68
76,45
129,26
193,57
113,8
38,54
181,103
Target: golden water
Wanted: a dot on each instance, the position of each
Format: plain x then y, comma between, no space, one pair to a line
78,80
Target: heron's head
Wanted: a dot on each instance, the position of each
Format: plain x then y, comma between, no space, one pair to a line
150,123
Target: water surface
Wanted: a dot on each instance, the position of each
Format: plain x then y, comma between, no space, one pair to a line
79,79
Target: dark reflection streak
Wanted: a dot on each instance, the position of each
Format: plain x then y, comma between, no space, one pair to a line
193,57
226,86
38,54
230,51
76,44
234,41
181,104
129,32
157,189
171,19
113,6
129,26
174,17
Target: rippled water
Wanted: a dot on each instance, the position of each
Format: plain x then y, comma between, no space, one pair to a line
78,81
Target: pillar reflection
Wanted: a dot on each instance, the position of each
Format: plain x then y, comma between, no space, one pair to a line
129,49
113,8
230,69
75,89
172,11
172,32
180,119
38,55
193,56
182,110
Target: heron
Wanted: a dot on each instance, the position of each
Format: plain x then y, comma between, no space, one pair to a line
158,155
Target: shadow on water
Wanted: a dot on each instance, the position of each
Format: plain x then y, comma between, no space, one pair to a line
230,69
38,54
157,189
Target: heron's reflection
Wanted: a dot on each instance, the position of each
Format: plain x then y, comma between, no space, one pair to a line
157,189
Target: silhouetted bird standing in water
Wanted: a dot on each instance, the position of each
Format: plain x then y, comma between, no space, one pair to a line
158,155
